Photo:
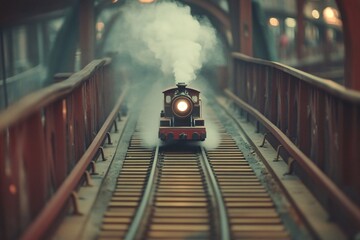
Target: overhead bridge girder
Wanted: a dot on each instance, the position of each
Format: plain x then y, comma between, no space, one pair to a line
19,11
216,13
350,16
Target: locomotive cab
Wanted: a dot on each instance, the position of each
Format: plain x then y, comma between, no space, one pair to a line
181,117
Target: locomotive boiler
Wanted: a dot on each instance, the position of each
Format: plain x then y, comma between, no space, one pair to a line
181,117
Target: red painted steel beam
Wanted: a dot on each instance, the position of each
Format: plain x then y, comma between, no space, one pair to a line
317,82
48,215
241,20
350,10
221,18
321,115
300,29
212,10
87,31
32,139
37,100
341,200
245,25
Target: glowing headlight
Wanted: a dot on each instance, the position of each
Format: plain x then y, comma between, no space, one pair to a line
182,106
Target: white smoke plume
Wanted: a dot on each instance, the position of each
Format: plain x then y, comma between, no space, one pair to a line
149,116
167,35
163,41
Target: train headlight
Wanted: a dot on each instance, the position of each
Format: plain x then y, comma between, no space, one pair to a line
182,106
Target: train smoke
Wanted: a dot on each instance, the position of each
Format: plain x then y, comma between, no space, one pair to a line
167,36
149,116
162,41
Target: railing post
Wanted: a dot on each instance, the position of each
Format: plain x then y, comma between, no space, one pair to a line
41,138
303,121
319,117
87,31
292,111
37,166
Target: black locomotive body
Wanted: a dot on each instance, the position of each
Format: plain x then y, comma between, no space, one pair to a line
181,117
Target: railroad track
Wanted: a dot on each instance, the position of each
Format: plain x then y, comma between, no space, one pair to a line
183,207
129,190
190,193
251,212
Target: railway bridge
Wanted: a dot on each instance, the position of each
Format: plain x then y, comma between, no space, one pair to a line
81,95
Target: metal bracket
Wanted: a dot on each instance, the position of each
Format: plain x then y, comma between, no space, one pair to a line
278,153
291,162
74,197
88,180
108,138
257,126
115,126
93,168
263,142
101,149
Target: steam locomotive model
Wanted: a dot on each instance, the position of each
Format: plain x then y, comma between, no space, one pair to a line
181,117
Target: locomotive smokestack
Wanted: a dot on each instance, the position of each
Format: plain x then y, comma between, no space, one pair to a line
181,86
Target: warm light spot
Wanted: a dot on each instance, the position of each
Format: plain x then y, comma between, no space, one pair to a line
100,26
12,189
274,22
64,111
332,16
290,22
114,1
182,106
146,1
328,13
315,13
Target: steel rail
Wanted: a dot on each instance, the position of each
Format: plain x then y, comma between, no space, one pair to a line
140,213
37,229
314,172
223,217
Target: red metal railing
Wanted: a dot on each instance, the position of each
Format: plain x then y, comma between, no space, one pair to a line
47,141
317,121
